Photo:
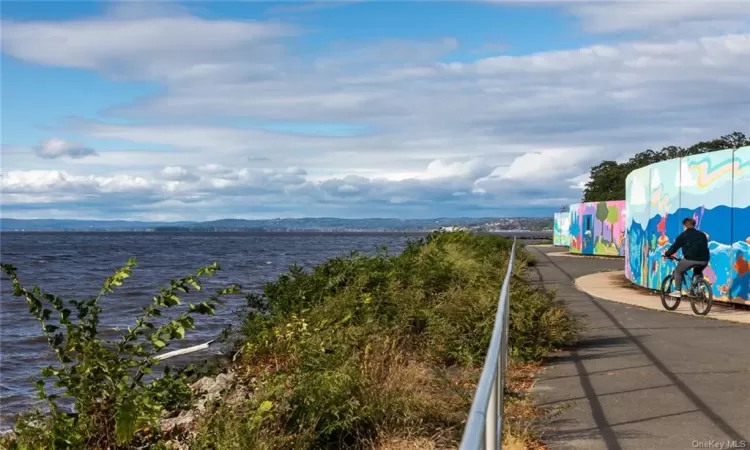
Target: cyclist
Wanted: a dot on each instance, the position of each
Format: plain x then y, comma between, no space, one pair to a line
694,245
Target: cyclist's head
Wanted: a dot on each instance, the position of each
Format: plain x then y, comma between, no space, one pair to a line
688,222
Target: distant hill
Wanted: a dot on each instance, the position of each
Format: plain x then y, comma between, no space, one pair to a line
80,225
303,224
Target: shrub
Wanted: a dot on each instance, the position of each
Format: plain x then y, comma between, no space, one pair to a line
113,406
362,349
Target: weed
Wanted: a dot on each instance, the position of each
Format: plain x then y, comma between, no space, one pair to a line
113,407
381,351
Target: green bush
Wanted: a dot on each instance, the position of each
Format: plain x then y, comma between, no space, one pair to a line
365,347
113,406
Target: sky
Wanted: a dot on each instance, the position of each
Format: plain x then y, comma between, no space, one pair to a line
166,110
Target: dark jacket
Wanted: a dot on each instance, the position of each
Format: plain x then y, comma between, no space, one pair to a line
694,245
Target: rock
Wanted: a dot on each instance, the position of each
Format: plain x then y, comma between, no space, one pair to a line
210,389
176,445
10,435
207,389
212,386
179,424
237,396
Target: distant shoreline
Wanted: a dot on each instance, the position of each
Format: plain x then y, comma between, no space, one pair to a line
302,225
517,233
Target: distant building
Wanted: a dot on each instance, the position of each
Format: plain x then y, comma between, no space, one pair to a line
449,229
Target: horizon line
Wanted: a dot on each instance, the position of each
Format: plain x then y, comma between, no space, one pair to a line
280,218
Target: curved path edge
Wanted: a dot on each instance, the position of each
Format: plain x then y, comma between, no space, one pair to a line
613,286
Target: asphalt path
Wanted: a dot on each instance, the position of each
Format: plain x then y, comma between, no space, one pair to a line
641,379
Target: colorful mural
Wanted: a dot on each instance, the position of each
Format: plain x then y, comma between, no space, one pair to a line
714,189
561,234
598,228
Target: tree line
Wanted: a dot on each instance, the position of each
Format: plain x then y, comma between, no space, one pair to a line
607,179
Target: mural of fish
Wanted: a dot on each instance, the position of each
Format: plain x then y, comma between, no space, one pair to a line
741,266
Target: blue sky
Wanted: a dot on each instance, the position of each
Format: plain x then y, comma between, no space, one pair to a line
170,111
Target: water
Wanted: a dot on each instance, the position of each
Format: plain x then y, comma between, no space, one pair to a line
73,266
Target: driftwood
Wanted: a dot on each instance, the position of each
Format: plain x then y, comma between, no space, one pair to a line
185,351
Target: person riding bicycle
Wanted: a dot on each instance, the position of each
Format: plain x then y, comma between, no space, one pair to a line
695,252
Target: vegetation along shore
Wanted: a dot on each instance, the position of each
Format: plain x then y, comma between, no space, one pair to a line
379,351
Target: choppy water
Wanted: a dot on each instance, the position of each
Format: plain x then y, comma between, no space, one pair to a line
73,265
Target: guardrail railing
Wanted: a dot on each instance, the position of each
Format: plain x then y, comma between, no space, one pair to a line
484,428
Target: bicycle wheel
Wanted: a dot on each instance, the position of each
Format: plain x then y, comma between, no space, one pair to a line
703,299
669,303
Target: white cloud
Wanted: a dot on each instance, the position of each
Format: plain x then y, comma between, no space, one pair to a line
656,16
544,164
139,40
473,167
58,148
431,132
580,181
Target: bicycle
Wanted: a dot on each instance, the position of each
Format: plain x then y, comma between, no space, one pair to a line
693,283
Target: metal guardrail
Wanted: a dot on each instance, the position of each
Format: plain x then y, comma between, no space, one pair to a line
484,427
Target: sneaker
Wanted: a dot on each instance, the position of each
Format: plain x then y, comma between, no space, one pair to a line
675,294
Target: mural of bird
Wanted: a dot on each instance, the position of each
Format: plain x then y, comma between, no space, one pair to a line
661,227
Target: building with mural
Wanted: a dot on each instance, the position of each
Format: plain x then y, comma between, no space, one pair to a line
714,189
598,228
561,233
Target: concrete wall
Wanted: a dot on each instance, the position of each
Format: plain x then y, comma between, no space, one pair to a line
598,228
561,235
714,189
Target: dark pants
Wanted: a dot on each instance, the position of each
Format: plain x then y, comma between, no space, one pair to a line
685,265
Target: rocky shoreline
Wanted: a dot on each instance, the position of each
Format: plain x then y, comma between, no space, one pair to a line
208,390
223,387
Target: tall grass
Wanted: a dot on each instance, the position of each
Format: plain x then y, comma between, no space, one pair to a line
365,351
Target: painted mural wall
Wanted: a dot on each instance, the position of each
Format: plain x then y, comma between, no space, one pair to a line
561,234
714,189
598,228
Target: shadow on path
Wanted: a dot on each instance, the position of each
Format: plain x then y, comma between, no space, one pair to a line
640,372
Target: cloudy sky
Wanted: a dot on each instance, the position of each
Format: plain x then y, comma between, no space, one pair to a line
167,111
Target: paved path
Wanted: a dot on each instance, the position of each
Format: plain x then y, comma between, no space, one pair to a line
615,287
642,379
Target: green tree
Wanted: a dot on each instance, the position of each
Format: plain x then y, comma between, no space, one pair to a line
607,182
601,213
607,179
613,216
735,140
